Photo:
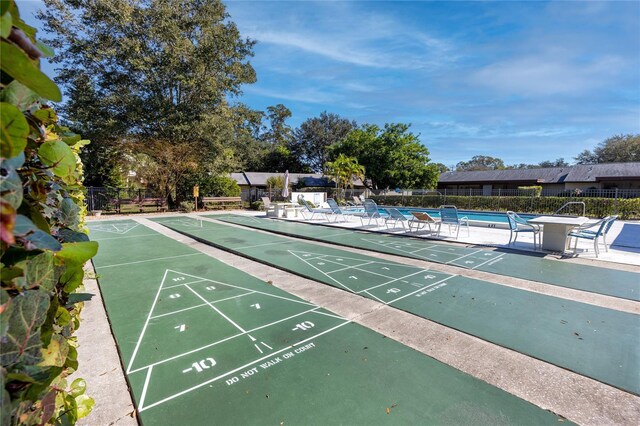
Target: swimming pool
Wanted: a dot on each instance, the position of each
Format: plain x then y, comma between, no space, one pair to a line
476,218
472,215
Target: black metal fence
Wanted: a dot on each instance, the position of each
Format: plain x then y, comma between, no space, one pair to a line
119,200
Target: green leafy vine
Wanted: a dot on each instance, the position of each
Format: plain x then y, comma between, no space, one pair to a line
43,243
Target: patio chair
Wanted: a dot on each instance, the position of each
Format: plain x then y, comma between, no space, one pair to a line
336,211
592,231
371,212
518,225
267,205
449,216
308,210
357,201
395,216
422,220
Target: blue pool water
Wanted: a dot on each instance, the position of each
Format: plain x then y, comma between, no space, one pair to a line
472,215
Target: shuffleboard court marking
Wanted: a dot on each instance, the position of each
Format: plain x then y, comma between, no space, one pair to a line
162,401
128,236
149,260
302,302
317,269
113,229
262,245
202,304
146,323
208,362
391,280
421,289
217,310
492,259
226,339
182,284
466,255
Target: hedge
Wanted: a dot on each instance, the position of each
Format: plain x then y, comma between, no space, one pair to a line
627,208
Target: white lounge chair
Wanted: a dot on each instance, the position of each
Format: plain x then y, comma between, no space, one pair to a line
449,216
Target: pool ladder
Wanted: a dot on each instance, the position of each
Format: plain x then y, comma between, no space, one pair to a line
584,207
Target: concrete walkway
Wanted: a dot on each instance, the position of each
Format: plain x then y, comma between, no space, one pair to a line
580,399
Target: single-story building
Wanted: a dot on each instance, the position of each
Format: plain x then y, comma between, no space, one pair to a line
582,177
254,184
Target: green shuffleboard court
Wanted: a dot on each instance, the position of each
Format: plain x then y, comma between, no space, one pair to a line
203,343
608,281
590,340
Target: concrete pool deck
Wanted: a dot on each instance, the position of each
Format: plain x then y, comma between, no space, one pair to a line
576,397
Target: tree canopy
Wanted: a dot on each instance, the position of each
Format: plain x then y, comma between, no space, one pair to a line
616,149
344,170
480,162
315,135
152,70
392,157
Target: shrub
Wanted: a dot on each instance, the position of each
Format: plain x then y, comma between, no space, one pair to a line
187,206
531,191
257,205
43,243
219,186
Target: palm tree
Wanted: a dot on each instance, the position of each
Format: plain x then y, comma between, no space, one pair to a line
344,170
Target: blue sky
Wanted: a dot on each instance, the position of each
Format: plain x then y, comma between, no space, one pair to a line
522,81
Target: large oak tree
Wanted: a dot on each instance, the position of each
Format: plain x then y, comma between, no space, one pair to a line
151,71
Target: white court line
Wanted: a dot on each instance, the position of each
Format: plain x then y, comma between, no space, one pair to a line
422,271
322,272
371,295
490,260
201,305
144,388
146,323
240,368
329,315
466,255
417,291
128,236
217,310
334,235
179,285
347,267
246,289
261,245
221,341
149,260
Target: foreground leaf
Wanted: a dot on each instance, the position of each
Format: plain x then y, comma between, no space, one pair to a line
14,131
10,185
58,156
78,253
55,354
41,273
22,342
17,64
43,241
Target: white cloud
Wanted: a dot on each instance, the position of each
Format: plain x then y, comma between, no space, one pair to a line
548,74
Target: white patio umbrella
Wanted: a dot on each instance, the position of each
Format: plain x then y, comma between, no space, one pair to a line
285,190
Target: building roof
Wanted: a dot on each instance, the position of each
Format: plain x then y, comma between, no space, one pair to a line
577,173
607,171
550,175
260,178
